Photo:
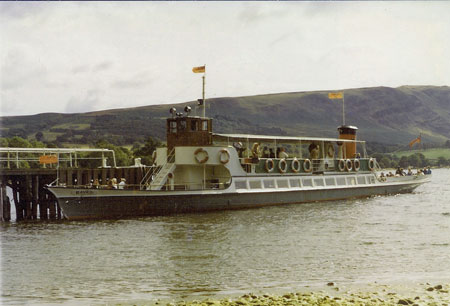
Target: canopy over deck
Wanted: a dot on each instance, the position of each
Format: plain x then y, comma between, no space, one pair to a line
285,139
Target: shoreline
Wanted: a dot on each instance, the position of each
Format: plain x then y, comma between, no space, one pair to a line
374,294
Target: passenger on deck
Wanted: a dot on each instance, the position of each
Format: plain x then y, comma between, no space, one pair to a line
96,184
409,171
282,153
122,183
314,153
266,153
114,183
255,150
271,153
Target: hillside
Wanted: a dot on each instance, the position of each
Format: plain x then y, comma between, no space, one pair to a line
382,114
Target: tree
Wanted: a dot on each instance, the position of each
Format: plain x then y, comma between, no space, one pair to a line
442,161
403,162
145,152
385,162
39,135
123,155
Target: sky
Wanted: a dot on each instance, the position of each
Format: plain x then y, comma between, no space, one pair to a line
73,57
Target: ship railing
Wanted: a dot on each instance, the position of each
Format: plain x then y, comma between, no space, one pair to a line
152,174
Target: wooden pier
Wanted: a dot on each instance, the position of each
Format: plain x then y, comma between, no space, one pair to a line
33,202
28,170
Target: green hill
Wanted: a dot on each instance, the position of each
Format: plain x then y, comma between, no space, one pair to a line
429,153
382,114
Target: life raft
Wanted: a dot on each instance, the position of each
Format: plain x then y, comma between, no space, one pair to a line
282,165
356,164
341,165
198,155
371,164
295,166
307,165
348,165
330,150
269,165
224,156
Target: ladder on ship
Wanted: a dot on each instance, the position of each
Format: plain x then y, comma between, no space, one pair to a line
155,181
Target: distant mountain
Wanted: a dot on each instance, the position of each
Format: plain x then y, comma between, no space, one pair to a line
382,114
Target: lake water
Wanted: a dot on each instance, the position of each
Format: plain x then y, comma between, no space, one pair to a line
402,238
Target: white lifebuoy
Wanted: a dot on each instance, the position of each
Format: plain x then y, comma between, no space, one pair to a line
371,164
282,165
269,165
341,165
198,158
224,156
356,164
307,166
348,165
330,150
295,166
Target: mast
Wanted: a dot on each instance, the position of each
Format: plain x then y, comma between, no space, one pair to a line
202,69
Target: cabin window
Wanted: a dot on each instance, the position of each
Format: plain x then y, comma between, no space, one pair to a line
193,125
361,180
319,182
173,127
182,126
255,184
205,125
351,181
241,184
330,181
341,181
282,184
371,179
269,184
295,183
307,183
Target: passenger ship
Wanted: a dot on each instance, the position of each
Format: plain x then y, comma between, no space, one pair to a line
202,171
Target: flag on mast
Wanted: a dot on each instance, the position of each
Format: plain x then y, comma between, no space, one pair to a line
200,69
418,139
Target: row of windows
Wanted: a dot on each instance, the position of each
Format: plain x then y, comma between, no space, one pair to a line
304,182
182,126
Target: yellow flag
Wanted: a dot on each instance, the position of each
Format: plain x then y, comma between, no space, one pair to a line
418,139
200,69
336,95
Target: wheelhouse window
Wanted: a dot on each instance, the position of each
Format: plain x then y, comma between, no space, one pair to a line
182,125
205,125
173,127
194,126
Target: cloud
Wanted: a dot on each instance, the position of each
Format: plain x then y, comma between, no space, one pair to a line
89,101
137,80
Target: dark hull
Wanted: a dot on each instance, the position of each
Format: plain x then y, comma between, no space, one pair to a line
119,204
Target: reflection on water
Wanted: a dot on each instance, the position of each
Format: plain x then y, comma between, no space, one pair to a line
385,239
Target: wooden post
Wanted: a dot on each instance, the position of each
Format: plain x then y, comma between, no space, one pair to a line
79,177
28,196
35,197
62,176
19,212
104,176
2,200
51,206
5,203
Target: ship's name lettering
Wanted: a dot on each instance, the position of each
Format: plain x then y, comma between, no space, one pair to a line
81,192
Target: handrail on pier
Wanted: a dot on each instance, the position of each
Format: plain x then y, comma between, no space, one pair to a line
17,155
